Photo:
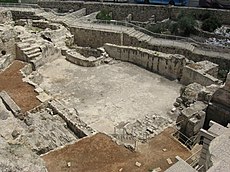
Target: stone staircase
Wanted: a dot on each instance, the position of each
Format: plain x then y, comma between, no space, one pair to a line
36,51
126,139
146,38
30,51
138,35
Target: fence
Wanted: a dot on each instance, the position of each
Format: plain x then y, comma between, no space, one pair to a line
189,142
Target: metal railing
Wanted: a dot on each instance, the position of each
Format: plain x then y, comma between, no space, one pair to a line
189,142
194,158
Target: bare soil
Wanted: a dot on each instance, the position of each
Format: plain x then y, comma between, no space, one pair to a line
100,154
21,92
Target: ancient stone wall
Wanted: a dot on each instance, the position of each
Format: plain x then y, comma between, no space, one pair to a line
80,128
17,15
203,72
188,52
7,43
5,16
77,58
140,12
219,108
168,65
94,38
88,37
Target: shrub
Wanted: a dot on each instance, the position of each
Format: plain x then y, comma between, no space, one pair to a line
222,74
204,16
210,24
186,25
174,28
104,15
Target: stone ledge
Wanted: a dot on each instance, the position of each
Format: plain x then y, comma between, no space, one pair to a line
78,59
80,128
10,104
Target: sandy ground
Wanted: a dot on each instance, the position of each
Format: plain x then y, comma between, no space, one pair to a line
99,153
21,92
109,94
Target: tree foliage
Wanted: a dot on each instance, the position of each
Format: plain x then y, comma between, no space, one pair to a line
104,15
184,26
210,24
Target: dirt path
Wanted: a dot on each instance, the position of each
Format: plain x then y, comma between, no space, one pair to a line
21,92
99,153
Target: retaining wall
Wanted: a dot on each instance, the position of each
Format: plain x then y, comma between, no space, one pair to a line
140,12
168,65
94,38
10,104
80,128
191,75
198,55
89,37
77,58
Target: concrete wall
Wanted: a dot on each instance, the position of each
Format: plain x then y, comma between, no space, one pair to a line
167,65
140,12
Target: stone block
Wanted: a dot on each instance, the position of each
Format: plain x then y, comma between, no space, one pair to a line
9,102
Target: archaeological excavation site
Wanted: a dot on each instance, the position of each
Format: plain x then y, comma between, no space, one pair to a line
81,93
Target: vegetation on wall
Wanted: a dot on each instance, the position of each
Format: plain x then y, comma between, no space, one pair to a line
104,15
184,26
210,24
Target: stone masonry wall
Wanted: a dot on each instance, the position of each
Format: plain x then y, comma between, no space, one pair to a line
168,65
89,37
94,38
140,12
132,41
219,106
199,74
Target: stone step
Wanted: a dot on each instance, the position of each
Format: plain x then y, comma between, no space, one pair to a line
149,39
23,37
134,33
145,38
130,31
139,35
30,48
32,56
22,45
33,51
29,40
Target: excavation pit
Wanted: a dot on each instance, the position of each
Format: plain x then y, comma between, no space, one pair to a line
107,95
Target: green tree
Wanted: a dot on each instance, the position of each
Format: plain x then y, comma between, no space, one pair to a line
184,26
210,24
104,15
